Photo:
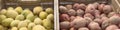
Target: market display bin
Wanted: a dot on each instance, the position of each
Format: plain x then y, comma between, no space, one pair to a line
28,4
116,5
113,4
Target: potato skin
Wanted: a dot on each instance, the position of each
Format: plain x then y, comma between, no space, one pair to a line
76,6
97,13
94,26
82,6
103,15
89,15
104,18
63,9
88,20
72,28
64,17
115,19
63,29
90,9
71,12
100,7
117,29
111,14
105,24
83,28
98,20
107,9
80,12
112,27
119,25
64,25
78,22
72,18
96,4
69,7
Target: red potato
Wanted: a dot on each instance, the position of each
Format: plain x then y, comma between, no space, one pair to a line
78,17
100,7
111,14
63,29
105,24
90,9
103,15
72,18
76,6
97,14
80,12
64,25
117,29
88,20
107,9
115,19
98,20
119,25
83,28
69,7
72,12
112,20
94,26
64,17
78,22
63,9
72,28
89,15
96,4
82,6
112,27
104,18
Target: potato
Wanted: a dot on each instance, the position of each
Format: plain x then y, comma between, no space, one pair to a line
117,29
72,18
64,25
100,7
107,9
88,20
72,28
90,9
94,26
105,24
96,4
63,29
76,6
115,19
78,17
119,25
80,12
89,15
63,9
103,15
111,14
98,20
104,18
97,13
82,6
69,7
78,22
112,27
83,28
64,17
72,12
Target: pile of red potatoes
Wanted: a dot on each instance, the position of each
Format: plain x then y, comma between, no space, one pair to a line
93,16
